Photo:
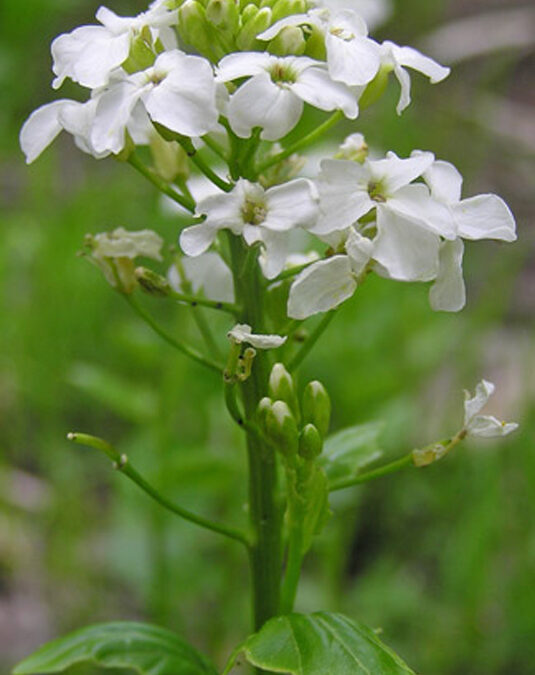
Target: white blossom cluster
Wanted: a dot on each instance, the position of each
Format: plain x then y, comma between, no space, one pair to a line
254,69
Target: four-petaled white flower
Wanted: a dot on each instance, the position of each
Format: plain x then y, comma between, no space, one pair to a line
243,333
352,57
178,92
409,221
485,426
398,58
484,216
89,54
272,98
258,215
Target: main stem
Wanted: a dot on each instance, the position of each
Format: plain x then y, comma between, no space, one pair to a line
264,511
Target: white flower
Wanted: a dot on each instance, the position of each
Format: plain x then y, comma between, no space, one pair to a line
326,284
208,274
484,216
178,92
409,222
90,53
123,243
243,333
398,58
352,57
485,426
272,98
45,123
258,215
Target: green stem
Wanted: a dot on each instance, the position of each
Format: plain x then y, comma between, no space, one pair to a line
195,301
293,571
210,174
264,511
392,467
162,185
180,346
122,464
215,148
310,138
311,341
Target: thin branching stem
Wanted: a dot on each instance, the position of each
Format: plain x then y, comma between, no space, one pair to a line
311,341
162,185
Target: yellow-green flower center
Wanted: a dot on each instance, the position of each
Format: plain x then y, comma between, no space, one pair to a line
253,213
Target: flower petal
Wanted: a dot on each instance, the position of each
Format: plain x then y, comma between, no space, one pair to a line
208,274
113,112
444,181
292,204
415,203
41,128
197,239
472,405
243,64
412,58
394,172
321,287
484,217
359,249
243,333
353,61
448,293
487,426
316,88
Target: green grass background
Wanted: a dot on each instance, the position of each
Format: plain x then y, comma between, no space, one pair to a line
443,560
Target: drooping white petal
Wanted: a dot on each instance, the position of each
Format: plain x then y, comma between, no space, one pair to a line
243,333
316,87
404,80
444,181
290,205
88,55
342,187
261,103
352,57
197,239
415,203
484,217
412,58
474,404
184,101
406,250
394,172
448,293
41,128
115,106
488,426
275,253
321,287
208,274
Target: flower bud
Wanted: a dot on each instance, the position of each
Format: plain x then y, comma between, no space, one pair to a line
224,16
310,442
262,409
281,428
170,160
376,88
282,388
284,8
258,23
316,407
194,29
141,55
290,40
315,44
248,12
354,148
151,282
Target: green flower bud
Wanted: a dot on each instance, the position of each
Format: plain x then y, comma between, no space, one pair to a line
284,8
151,282
224,15
376,88
249,10
316,45
282,388
258,23
195,30
262,410
290,40
281,428
142,54
316,407
310,442
170,160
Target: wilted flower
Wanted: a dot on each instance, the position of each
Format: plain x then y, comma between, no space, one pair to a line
485,426
243,333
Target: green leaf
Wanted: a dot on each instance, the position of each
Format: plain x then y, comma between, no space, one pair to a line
348,451
146,649
320,644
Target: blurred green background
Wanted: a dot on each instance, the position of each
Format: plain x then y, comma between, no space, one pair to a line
443,560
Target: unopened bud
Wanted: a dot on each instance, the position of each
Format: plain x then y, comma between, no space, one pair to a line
282,388
354,148
258,23
224,15
316,407
169,158
281,427
284,8
151,282
310,442
315,47
194,29
290,40
141,55
376,88
262,409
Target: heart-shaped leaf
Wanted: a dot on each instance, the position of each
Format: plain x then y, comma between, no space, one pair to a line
348,451
319,644
146,649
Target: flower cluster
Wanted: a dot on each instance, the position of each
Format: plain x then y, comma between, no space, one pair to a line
255,69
